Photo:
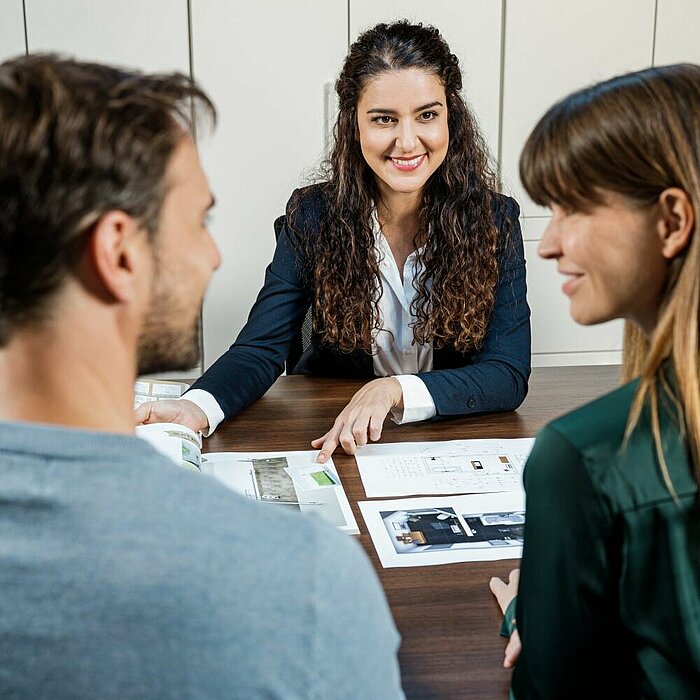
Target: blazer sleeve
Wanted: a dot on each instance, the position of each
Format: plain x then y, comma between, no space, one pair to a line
256,358
497,379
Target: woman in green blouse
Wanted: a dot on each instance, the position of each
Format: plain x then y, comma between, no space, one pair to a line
608,603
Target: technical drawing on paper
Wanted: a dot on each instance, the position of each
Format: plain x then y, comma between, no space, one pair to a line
456,466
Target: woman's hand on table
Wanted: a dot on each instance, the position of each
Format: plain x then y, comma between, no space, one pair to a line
513,649
504,593
179,411
362,419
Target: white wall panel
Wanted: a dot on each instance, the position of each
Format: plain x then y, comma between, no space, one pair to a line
147,36
472,28
575,359
553,329
11,29
266,65
677,26
554,47
150,36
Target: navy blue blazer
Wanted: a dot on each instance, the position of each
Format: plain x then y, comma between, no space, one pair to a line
494,378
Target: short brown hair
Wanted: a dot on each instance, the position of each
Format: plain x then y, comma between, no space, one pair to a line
76,141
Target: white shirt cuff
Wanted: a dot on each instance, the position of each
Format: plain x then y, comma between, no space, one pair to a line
209,405
418,404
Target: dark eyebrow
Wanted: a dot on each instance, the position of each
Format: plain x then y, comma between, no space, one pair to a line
212,203
393,111
429,105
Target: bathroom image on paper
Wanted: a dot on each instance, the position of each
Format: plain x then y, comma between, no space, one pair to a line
496,529
272,480
431,529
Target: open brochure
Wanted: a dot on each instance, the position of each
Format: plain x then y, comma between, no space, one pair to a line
291,480
175,441
285,480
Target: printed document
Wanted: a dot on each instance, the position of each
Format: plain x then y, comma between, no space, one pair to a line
446,529
453,466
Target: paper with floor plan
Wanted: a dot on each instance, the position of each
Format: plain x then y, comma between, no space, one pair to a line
446,529
289,480
452,466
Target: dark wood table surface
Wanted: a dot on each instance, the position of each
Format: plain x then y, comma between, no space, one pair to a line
447,617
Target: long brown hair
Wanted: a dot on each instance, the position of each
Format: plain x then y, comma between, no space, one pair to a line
636,135
456,290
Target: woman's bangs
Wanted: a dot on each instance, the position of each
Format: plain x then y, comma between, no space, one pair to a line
553,165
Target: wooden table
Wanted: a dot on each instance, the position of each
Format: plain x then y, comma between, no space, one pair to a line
447,617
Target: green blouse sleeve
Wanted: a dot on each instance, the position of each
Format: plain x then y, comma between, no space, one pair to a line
508,624
566,606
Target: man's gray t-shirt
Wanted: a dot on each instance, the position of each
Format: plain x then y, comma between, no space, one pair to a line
123,576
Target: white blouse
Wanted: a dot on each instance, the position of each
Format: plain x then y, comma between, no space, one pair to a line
394,352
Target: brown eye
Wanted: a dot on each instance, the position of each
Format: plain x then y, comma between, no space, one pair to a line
383,119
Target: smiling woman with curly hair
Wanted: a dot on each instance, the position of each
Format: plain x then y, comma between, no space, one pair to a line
410,263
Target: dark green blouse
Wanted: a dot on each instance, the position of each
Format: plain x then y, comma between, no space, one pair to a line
609,599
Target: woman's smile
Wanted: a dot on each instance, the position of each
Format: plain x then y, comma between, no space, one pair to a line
408,163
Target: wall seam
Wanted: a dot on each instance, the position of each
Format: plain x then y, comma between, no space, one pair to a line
190,51
653,36
575,352
26,34
501,91
190,42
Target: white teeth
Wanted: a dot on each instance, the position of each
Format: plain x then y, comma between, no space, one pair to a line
410,163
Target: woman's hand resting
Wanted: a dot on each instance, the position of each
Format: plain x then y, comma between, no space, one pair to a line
362,419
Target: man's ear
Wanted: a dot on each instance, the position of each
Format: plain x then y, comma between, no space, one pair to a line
676,222
120,255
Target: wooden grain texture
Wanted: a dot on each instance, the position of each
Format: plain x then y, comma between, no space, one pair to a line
447,617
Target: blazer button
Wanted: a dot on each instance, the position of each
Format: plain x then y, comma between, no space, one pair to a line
471,403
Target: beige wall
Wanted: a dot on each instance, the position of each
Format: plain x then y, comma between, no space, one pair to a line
270,66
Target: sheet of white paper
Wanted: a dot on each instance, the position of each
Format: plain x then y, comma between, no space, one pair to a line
301,491
446,529
453,466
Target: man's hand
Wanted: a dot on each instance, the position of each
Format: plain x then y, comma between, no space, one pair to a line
505,592
179,411
362,419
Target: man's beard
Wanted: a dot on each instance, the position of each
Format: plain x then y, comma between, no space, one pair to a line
165,345
163,348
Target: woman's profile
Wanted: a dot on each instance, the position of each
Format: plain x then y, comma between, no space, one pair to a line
608,601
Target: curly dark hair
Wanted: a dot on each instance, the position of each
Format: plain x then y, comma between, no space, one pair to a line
455,217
